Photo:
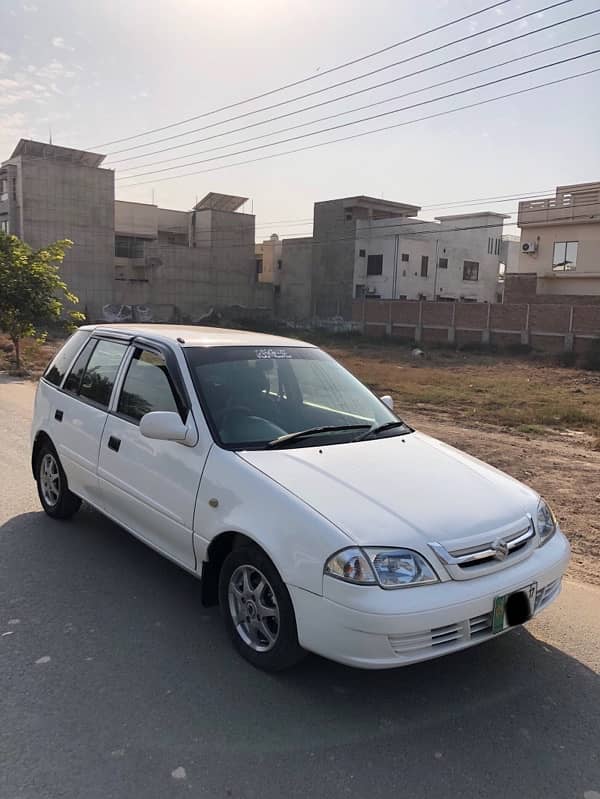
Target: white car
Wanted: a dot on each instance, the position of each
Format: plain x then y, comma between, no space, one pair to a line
316,518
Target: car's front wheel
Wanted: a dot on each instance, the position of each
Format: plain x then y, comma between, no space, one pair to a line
258,611
53,490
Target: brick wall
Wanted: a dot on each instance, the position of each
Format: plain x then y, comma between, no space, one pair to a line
523,288
549,327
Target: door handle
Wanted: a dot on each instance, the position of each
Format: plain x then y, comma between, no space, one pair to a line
58,415
114,443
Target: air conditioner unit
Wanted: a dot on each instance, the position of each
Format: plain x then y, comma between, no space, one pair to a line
529,247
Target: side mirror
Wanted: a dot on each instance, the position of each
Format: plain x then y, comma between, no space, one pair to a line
164,426
388,401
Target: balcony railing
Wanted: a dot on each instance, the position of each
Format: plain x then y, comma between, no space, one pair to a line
564,208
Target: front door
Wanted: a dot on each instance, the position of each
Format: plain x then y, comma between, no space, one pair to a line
150,486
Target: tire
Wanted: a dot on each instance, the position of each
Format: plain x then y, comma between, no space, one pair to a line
53,489
266,636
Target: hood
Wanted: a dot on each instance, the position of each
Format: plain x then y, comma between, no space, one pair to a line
400,490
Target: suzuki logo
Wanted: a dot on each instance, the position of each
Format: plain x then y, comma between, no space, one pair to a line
501,549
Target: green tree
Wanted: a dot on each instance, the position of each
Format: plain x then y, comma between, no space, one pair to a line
32,292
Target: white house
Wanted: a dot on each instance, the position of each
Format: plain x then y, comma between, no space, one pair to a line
453,258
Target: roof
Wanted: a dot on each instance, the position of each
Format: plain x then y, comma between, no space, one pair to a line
476,215
220,202
40,149
380,208
196,336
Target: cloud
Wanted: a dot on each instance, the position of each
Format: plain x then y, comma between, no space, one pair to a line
4,58
29,8
34,84
58,41
13,126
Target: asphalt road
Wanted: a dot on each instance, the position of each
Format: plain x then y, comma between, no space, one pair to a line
115,682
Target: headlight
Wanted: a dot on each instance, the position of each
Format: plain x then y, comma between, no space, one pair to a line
352,566
545,522
390,568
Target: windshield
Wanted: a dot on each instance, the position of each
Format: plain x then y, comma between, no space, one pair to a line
253,396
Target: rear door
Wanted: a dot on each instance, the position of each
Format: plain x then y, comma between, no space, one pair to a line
79,413
150,486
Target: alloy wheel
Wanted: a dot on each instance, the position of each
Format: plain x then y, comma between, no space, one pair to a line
253,608
50,479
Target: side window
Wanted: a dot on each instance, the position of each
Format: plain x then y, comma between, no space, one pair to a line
147,387
99,375
73,381
56,369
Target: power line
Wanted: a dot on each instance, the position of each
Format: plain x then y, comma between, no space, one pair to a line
377,103
368,132
370,233
364,119
405,222
313,77
371,72
298,221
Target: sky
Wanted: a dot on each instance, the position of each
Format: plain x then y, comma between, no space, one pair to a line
94,72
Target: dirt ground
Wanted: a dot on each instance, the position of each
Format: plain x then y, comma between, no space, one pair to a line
562,464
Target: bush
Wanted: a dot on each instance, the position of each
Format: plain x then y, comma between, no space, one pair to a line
591,359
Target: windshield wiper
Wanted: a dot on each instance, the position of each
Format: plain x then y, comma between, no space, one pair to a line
373,431
312,431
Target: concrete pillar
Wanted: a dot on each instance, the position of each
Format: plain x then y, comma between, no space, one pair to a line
525,332
419,327
452,328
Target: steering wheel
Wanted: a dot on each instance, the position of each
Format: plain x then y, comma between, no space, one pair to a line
229,412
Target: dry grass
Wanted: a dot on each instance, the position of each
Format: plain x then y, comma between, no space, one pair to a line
525,395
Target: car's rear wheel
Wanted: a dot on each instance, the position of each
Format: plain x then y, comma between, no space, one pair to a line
258,611
53,489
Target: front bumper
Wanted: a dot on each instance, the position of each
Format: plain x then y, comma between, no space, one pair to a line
371,628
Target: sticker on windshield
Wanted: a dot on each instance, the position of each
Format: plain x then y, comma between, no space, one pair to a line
272,353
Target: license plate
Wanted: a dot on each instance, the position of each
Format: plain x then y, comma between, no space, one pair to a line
499,609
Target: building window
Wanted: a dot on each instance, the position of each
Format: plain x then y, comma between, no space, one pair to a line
14,187
3,189
129,247
443,263
375,264
279,263
490,245
259,266
405,257
3,225
564,258
360,291
497,247
471,270
424,265
348,216
362,253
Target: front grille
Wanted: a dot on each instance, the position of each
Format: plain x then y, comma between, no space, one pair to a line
464,562
545,595
458,634
449,636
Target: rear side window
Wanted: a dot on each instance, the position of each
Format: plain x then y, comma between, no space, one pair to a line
147,387
73,381
58,366
99,375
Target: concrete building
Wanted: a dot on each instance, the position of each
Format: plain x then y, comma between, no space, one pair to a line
130,259
268,260
559,257
181,264
49,193
454,258
368,247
